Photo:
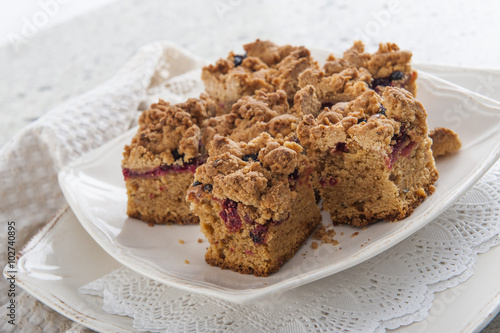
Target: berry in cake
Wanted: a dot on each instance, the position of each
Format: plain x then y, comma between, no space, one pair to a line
372,156
264,66
255,203
159,164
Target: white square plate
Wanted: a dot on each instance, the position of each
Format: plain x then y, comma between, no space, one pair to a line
94,187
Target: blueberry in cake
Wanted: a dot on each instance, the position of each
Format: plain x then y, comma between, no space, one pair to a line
372,156
255,203
264,66
159,164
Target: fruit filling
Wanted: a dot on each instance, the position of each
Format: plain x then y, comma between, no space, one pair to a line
163,169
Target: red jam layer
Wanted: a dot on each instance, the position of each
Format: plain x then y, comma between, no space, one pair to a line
402,148
163,170
229,214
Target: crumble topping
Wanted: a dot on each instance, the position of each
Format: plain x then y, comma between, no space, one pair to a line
265,66
388,59
444,142
168,133
259,174
339,87
252,115
371,120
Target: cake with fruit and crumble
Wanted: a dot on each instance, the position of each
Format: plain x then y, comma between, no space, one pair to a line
255,203
372,156
264,66
389,66
344,79
159,164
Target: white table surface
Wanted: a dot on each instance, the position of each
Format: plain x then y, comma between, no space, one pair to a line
86,42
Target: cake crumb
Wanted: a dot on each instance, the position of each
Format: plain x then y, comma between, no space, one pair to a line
342,234
421,192
325,235
200,240
354,234
432,189
314,245
181,241
444,142
186,261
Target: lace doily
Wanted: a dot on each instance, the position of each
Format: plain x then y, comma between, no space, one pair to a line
393,289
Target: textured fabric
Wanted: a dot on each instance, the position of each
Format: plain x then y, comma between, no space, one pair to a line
29,163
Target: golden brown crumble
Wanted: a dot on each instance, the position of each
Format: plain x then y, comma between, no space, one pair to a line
252,115
167,130
325,235
262,182
444,141
265,66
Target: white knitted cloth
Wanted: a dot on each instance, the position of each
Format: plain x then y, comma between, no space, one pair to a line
29,163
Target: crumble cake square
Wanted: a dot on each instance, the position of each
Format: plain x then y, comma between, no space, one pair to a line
255,203
344,79
372,156
264,66
159,164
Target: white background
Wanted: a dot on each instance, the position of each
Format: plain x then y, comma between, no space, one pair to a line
14,13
